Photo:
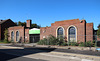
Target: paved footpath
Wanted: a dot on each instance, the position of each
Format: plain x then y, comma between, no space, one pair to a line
44,54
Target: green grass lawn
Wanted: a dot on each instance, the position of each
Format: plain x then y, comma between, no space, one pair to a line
2,41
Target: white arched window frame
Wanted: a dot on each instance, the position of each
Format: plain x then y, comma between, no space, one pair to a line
57,31
75,32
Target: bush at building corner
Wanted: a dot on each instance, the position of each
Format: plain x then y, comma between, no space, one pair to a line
87,44
98,32
6,36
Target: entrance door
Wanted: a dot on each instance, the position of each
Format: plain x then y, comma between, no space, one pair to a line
34,38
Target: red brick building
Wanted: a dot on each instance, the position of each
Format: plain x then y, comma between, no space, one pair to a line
5,24
71,30
19,33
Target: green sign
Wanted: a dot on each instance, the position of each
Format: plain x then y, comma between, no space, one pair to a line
34,31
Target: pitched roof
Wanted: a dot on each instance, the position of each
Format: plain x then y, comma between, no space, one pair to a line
2,21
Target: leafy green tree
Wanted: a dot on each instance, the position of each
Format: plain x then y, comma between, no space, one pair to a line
24,24
19,23
98,32
6,35
16,23
35,26
99,26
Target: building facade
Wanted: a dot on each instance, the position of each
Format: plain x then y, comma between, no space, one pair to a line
19,33
71,30
4,24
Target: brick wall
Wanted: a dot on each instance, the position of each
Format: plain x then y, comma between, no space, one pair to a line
27,35
45,32
79,24
21,31
89,32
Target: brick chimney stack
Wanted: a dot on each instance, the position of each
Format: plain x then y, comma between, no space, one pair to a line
28,24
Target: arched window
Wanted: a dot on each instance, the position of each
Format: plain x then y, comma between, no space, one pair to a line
60,32
17,36
12,36
72,34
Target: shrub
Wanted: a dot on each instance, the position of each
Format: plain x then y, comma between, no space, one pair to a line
4,41
93,43
88,44
74,44
8,41
60,41
98,32
42,42
51,40
81,44
6,34
64,43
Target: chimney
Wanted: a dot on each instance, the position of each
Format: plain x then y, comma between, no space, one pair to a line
28,24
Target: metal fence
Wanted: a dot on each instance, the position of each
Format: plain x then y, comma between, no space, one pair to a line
36,38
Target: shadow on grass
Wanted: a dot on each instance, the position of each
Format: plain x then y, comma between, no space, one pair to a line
8,54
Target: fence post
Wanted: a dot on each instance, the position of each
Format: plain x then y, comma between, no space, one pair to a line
96,41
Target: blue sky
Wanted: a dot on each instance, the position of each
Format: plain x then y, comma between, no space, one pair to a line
45,12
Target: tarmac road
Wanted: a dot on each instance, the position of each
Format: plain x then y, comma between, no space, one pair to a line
28,54
37,54
84,52
9,57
